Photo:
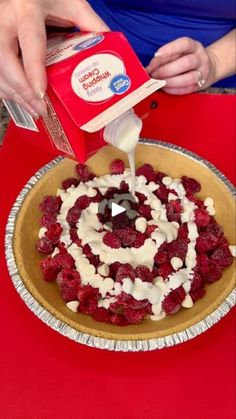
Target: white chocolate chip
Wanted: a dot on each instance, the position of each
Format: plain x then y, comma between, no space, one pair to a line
166,180
42,232
211,210
172,197
208,202
176,263
141,224
103,270
73,306
188,302
233,250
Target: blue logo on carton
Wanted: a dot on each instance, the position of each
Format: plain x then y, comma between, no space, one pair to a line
88,43
120,84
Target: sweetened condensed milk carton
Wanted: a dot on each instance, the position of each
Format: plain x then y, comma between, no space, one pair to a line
93,78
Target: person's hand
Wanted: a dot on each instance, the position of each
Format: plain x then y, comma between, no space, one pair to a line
185,65
22,29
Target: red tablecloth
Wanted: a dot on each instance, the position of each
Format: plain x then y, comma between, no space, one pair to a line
45,375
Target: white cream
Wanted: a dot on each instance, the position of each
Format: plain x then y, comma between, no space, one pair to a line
42,232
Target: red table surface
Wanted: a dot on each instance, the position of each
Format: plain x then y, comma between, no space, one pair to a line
45,375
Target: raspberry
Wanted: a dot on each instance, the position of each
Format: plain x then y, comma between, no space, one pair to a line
111,240
183,232
73,215
165,269
150,229
139,241
190,185
124,187
142,304
82,202
63,260
214,229
111,192
88,251
50,204
172,302
101,315
54,232
162,193
171,214
49,269
74,236
147,171
177,248
45,246
143,273
134,316
117,167
125,271
206,242
201,217
161,257
88,298
67,183
48,219
145,211
114,268
69,283
213,272
127,236
155,271
118,319
83,172
222,256
141,197
196,282
203,263
159,176
196,295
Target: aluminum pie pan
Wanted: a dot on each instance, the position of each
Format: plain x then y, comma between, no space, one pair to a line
88,339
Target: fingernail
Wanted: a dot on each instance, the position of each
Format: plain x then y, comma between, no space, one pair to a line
158,54
40,94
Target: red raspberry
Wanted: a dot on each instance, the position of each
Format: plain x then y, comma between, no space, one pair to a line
222,256
203,263
172,302
73,215
162,193
214,229
183,232
201,217
159,176
118,319
101,315
111,192
63,260
54,232
125,271
143,273
155,271
50,204
49,269
111,240
74,236
145,211
69,283
196,295
124,187
82,202
171,214
117,167
165,269
45,246
190,185
87,292
206,242
48,219
147,171
114,268
138,305
177,248
141,197
127,236
83,172
88,251
213,272
150,229
161,257
196,282
134,316
139,241
67,183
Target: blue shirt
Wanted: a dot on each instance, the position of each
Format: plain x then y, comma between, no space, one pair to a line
152,23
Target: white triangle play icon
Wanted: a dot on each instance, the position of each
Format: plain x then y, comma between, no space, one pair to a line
116,209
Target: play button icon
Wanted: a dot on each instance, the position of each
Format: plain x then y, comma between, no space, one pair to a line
116,209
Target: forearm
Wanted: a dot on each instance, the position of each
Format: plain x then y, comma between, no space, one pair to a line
223,55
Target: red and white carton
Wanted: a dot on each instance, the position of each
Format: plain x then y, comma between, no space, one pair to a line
92,79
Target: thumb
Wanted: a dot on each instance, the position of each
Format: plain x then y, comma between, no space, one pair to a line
83,16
